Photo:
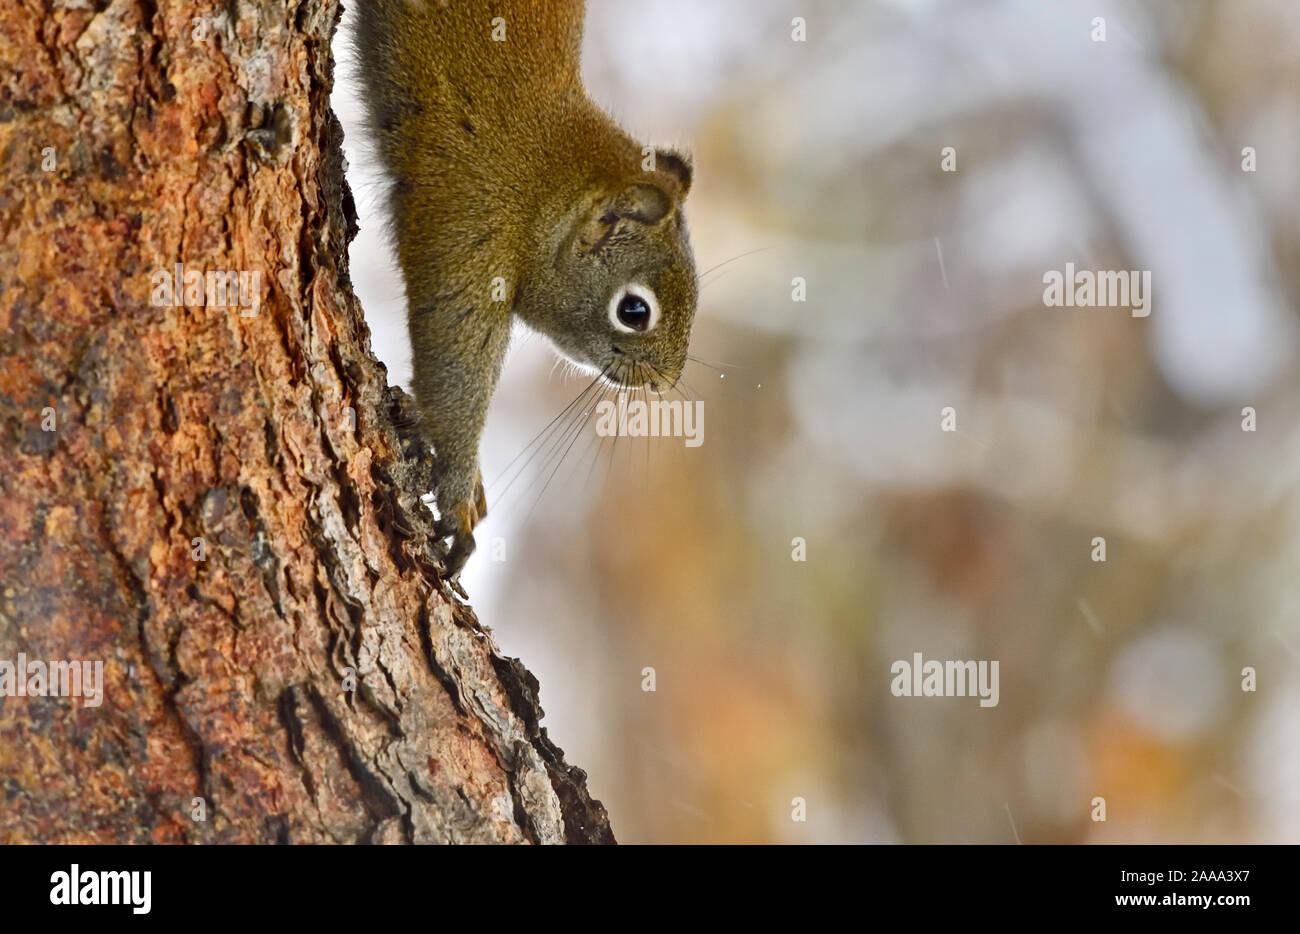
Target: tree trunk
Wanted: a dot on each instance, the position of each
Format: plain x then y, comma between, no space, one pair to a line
219,498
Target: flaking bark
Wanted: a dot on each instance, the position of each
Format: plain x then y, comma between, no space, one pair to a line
135,136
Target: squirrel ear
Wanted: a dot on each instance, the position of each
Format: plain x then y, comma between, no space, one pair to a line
676,165
640,203
647,204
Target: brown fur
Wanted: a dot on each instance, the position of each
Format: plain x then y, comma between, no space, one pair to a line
501,166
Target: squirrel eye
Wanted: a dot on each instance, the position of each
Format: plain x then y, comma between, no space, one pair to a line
634,312
634,308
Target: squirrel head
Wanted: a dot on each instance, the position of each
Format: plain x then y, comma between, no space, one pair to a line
616,292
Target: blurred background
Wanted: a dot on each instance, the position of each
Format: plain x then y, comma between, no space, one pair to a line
1119,679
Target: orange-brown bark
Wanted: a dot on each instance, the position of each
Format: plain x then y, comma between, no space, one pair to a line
226,511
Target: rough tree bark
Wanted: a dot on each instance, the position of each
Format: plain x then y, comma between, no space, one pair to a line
136,135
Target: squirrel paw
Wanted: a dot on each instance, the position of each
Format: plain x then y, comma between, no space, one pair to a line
458,524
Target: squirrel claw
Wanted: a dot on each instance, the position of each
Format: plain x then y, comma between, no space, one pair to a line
462,546
480,501
459,528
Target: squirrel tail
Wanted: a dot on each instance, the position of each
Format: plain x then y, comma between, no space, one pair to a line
410,52
384,78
